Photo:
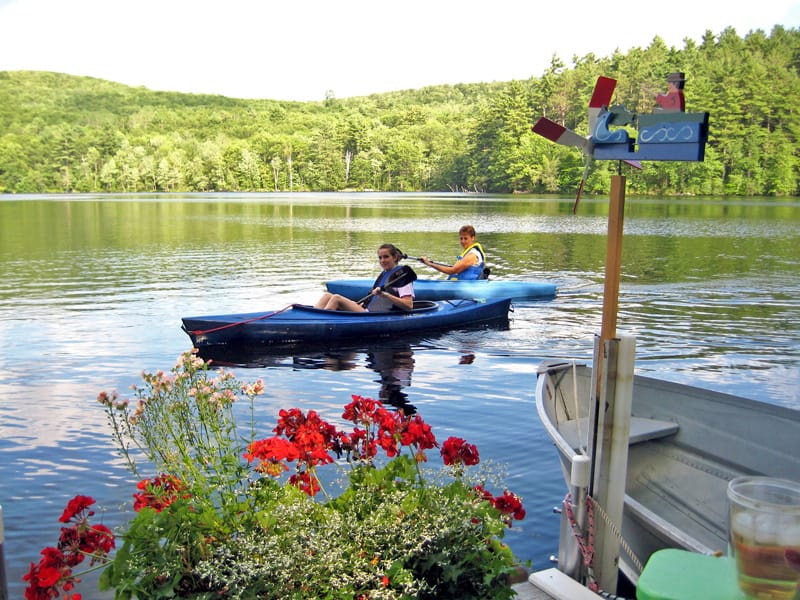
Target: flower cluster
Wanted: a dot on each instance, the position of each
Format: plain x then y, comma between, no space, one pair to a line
507,503
77,541
234,515
310,441
457,451
157,493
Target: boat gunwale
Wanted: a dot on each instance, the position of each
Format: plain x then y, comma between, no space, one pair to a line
544,373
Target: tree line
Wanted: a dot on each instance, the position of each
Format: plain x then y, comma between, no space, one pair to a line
63,133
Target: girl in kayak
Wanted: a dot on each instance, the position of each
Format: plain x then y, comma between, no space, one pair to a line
470,262
385,295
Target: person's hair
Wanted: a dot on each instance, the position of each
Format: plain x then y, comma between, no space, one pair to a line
393,250
468,229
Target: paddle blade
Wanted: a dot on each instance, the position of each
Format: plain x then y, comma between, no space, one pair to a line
402,276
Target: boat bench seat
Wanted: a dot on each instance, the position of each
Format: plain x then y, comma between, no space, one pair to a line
576,431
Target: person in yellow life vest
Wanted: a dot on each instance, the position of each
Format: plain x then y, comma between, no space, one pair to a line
470,263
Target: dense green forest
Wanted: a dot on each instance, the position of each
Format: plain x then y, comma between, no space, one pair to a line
62,133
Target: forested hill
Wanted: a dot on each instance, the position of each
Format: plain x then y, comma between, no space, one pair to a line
62,133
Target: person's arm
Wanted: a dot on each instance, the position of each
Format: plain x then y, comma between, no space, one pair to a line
460,265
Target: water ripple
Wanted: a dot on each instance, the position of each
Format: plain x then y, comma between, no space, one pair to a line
712,300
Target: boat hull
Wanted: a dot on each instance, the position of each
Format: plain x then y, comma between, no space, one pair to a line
443,289
686,444
298,324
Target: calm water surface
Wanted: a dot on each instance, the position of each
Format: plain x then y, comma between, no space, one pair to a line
92,289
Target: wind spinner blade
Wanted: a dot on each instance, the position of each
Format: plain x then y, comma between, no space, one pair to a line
558,133
603,92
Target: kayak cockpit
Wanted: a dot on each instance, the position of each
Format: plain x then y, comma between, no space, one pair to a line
420,306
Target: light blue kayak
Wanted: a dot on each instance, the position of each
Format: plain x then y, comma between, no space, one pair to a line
443,289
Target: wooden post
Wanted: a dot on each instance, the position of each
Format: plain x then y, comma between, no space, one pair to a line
613,258
609,417
611,433
608,328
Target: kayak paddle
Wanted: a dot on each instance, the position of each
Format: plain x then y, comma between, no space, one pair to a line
403,276
420,260
484,275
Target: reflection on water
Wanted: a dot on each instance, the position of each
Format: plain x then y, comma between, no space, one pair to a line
394,364
392,360
92,290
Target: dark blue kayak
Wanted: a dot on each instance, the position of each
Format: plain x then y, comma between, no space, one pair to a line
298,323
445,289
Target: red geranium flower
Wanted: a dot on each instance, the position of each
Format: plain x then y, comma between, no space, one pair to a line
361,410
311,436
388,441
456,451
289,421
272,452
75,506
77,541
418,433
158,493
305,482
510,504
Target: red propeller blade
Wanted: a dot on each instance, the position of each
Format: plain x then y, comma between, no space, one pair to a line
558,133
603,92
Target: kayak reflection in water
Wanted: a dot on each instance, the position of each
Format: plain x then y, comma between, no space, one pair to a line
391,290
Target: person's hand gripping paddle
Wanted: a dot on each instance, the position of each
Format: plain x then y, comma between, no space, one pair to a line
402,276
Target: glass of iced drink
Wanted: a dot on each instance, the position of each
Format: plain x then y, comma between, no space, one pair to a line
764,528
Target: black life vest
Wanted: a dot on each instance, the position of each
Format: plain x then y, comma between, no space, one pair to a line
379,303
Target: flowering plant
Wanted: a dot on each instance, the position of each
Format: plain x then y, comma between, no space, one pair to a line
235,516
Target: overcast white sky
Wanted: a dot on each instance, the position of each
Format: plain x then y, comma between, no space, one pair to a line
300,49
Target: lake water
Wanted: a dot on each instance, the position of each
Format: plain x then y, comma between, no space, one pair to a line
92,289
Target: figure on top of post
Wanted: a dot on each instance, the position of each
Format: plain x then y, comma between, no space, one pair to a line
673,100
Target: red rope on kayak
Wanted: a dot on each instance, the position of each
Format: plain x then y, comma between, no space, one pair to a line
259,318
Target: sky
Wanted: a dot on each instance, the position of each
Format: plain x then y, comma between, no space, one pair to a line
305,49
